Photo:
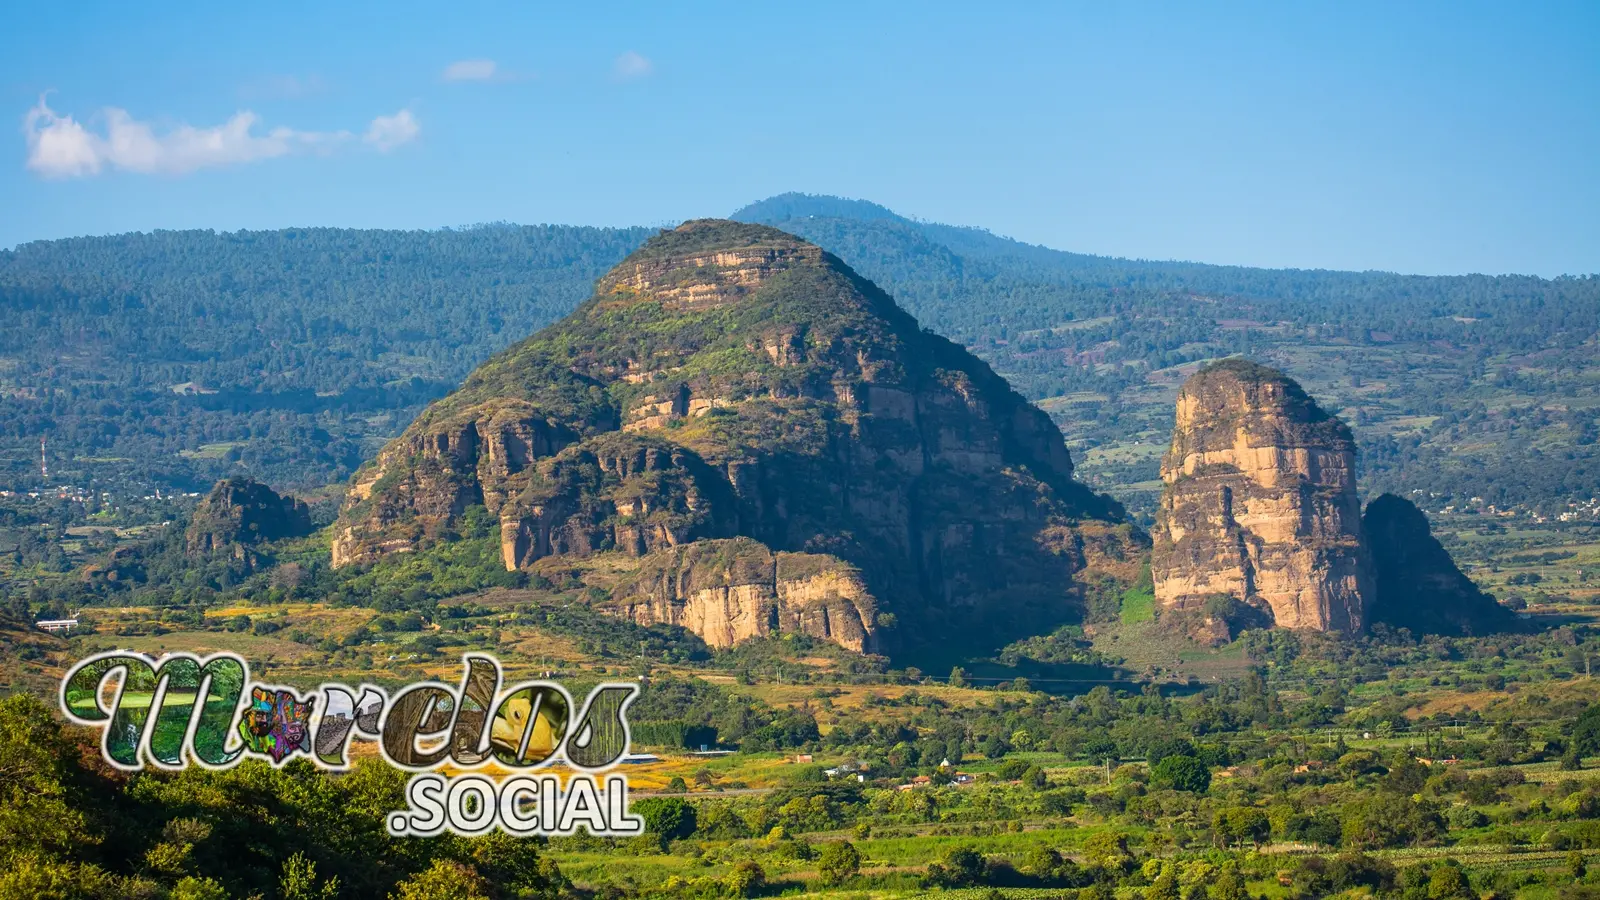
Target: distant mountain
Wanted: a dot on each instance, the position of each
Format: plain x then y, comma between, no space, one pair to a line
805,206
770,445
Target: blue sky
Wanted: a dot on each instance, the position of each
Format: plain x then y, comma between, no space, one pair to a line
1418,137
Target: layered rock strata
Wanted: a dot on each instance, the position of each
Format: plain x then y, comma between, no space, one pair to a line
1260,503
732,381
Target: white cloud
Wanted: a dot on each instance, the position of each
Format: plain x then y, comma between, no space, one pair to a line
62,147
389,132
631,65
472,70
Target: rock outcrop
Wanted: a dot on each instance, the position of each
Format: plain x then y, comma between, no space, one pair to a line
1417,583
240,513
727,591
1260,503
730,380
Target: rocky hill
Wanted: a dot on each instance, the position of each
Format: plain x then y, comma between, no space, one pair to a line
1260,508
1260,503
1418,585
772,445
239,513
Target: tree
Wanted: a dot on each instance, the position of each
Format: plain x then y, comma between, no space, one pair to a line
1236,825
670,818
1108,850
1035,778
1182,773
515,866
1406,775
1586,732
1229,886
42,810
1169,747
958,677
299,881
1387,820
444,880
1571,760
747,879
1041,862
1164,887
1448,882
959,867
191,888
839,862
1100,749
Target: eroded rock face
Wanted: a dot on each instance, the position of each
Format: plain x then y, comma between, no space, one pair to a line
622,492
1260,503
1417,583
709,277
727,591
239,513
731,380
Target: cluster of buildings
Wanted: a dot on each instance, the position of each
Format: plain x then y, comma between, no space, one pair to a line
1576,511
858,771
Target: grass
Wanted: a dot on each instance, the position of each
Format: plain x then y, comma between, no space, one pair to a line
1138,605
211,451
1150,651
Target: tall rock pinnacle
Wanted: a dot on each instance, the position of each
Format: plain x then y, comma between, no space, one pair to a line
1260,503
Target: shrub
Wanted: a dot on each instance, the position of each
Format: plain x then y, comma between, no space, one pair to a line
1182,773
839,862
669,818
747,879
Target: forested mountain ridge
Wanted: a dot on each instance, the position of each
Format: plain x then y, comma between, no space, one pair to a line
171,358
320,343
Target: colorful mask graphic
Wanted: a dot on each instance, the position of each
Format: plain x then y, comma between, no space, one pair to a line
277,724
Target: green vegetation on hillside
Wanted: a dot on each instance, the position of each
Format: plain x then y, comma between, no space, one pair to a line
173,358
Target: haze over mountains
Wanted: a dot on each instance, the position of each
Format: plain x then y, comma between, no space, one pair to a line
175,358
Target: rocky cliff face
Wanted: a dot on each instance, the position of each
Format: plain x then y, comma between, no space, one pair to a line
1260,503
729,590
239,513
728,381
1417,584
